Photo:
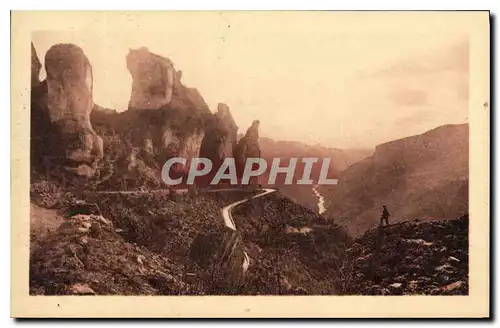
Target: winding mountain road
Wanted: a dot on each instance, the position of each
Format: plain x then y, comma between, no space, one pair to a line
229,221
225,211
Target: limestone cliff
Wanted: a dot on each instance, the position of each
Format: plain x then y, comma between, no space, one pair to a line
165,118
153,79
175,117
61,107
248,146
35,67
156,83
69,101
40,121
227,121
219,141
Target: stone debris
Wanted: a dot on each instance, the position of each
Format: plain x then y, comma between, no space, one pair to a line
434,263
418,242
81,289
447,268
86,249
453,286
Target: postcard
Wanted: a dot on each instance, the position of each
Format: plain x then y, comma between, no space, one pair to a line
250,164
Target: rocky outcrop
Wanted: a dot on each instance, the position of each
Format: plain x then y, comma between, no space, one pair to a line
152,79
41,127
156,83
219,141
164,133
248,146
61,107
409,258
227,122
69,102
36,66
165,118
87,256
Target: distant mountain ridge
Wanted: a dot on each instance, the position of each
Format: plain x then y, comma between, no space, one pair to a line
341,158
423,176
303,194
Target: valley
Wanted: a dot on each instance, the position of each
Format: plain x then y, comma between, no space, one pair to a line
103,222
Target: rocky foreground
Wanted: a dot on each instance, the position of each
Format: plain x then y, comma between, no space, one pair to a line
124,244
161,244
409,258
294,250
165,244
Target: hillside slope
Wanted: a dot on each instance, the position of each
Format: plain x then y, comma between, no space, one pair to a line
409,258
341,158
423,176
303,194
292,249
156,244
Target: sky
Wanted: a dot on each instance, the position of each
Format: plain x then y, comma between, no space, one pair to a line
344,81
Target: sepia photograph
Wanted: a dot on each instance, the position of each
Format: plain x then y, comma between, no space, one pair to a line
252,154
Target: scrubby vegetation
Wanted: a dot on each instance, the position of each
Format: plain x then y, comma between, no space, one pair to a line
409,258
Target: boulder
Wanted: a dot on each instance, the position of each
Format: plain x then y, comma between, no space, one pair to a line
81,289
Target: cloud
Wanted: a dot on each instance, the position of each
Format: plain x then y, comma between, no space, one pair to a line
403,96
454,57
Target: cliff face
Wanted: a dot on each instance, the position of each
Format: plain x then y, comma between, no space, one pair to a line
156,83
219,141
35,67
61,107
40,121
176,117
228,124
248,146
152,79
165,118
424,176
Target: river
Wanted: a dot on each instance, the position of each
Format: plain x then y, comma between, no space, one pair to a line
321,200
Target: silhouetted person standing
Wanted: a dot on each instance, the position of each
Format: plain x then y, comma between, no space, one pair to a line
385,216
